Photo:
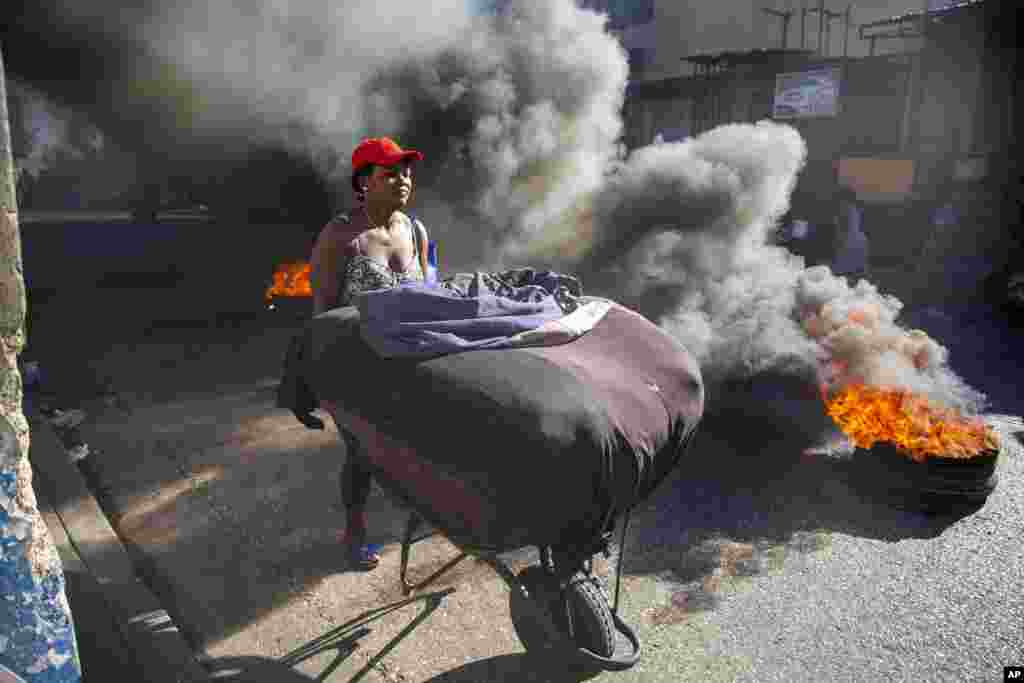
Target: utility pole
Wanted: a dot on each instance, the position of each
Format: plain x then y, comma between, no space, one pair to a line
828,33
36,618
915,86
846,36
785,16
803,27
829,16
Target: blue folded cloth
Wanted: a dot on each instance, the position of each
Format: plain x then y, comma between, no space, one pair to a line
425,320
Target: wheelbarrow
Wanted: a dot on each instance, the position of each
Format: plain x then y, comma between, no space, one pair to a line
543,448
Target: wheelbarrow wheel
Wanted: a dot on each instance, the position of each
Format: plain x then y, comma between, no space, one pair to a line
591,617
593,627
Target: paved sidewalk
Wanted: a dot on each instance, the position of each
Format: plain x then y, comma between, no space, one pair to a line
122,629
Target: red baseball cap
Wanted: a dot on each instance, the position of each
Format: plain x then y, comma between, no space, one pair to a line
381,151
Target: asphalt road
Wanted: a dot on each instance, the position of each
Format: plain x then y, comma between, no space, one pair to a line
827,585
857,590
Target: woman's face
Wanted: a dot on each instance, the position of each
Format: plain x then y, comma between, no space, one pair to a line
390,185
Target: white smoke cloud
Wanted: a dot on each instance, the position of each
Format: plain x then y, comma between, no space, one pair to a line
522,114
680,232
859,330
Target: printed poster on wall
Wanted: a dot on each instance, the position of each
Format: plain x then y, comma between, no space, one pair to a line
806,94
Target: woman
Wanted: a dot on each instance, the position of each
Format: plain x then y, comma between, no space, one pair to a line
375,247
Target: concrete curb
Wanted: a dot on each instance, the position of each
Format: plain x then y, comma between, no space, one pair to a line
85,537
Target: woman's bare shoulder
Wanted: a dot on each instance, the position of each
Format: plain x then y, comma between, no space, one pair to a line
343,229
336,239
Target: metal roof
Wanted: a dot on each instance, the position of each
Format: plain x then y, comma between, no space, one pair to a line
731,58
916,14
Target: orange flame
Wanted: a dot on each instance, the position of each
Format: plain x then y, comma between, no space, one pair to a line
291,280
919,429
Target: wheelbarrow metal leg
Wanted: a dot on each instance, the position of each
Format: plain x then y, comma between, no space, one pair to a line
407,542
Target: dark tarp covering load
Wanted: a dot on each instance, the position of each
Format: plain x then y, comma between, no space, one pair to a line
502,449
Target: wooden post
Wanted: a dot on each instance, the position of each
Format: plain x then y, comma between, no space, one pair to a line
29,562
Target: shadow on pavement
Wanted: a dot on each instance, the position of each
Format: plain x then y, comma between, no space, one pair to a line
342,641
523,667
254,670
104,653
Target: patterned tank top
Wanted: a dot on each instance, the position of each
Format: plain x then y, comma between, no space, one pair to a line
363,274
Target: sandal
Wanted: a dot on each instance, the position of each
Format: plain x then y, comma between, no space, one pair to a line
361,555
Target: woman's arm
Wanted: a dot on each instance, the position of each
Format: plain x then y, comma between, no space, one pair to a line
424,244
326,269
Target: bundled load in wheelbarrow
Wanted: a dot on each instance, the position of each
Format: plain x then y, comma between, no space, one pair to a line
505,447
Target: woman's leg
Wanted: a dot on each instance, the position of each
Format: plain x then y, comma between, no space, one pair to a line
355,483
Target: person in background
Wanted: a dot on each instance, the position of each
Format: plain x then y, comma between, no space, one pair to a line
817,245
795,230
377,246
946,203
851,254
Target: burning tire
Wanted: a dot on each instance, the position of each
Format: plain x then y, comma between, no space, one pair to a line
938,484
914,454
